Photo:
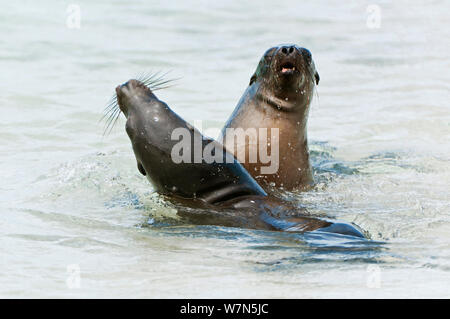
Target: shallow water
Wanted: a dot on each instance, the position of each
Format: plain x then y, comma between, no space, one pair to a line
78,220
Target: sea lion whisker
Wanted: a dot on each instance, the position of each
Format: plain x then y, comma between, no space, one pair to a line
111,122
142,75
152,80
110,113
162,87
149,76
111,116
111,105
158,84
110,109
114,123
104,116
317,94
160,76
111,101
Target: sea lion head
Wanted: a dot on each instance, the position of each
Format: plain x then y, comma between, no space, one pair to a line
286,77
145,116
132,97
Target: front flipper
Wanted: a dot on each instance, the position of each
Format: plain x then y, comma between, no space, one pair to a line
343,229
308,224
141,169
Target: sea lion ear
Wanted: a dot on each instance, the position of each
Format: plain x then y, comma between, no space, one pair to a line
317,77
252,79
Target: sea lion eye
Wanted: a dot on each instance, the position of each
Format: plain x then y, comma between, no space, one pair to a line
262,65
269,53
307,55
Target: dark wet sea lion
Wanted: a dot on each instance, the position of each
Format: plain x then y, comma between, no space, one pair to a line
278,96
207,193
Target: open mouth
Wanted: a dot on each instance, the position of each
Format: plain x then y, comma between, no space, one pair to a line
287,68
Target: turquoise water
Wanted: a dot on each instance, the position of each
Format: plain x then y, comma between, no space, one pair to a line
78,220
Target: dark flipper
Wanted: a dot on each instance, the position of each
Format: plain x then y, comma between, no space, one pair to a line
141,169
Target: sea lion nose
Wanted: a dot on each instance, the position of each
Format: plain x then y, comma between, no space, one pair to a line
288,49
123,88
127,85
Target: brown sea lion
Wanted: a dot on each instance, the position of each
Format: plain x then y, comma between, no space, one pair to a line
211,192
278,99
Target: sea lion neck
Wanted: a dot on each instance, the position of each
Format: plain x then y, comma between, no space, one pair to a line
296,109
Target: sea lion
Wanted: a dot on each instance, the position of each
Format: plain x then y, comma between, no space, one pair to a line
219,192
278,98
